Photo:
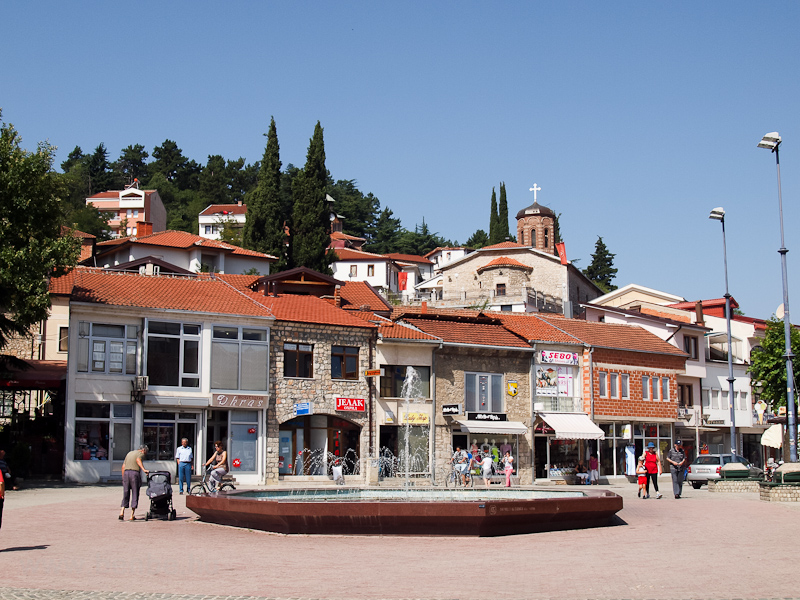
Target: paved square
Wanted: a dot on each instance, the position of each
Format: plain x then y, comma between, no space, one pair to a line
66,542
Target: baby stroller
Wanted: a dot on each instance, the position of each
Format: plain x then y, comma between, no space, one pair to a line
159,490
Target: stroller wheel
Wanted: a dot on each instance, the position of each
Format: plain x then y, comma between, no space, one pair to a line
171,516
147,517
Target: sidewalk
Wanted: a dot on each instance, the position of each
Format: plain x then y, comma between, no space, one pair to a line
702,546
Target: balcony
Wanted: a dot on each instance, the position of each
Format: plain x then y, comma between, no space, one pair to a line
558,404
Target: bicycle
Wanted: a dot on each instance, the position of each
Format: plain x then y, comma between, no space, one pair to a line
204,487
453,478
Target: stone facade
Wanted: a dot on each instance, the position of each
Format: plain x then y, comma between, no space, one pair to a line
536,230
451,365
742,485
320,389
779,492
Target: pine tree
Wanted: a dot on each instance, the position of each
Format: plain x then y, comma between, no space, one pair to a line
311,215
601,271
386,238
502,215
494,220
263,230
479,239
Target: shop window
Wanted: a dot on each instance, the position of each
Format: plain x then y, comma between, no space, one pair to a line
173,354
243,441
612,384
690,346
239,358
158,434
91,430
63,339
483,392
104,348
602,384
623,385
298,360
645,387
394,376
344,362
665,389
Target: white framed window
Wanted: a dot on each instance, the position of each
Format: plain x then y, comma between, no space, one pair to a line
601,384
714,399
63,339
173,354
353,270
743,402
612,385
665,389
706,398
239,358
370,270
690,346
654,381
645,387
135,213
107,348
724,401
623,385
483,392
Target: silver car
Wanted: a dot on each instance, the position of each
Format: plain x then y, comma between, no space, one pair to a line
707,466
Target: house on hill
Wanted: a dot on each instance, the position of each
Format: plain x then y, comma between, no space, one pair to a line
215,217
131,211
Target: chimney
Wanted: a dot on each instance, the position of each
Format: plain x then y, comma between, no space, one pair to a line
239,202
337,296
698,311
144,228
424,308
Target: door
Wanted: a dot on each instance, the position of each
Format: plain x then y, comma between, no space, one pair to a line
285,453
121,440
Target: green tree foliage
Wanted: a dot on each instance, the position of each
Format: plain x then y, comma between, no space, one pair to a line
601,271
132,164
32,247
101,177
311,216
387,234
494,221
176,168
502,216
360,211
768,366
420,241
479,239
89,220
557,229
213,181
266,209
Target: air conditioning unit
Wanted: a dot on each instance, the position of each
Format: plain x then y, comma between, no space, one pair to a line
140,383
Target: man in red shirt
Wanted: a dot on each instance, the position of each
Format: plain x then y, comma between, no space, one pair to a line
653,465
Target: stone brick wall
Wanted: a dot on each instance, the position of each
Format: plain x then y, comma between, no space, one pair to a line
451,364
744,485
635,365
785,492
320,389
536,224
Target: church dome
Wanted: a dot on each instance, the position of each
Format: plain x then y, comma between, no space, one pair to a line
535,209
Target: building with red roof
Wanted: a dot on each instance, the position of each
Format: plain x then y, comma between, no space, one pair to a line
215,217
131,211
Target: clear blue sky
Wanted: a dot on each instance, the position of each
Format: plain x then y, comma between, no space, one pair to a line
635,118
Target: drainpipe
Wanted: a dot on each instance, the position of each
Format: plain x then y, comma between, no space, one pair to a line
591,381
531,383
433,409
371,449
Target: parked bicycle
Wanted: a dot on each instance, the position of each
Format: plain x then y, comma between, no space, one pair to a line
205,486
453,477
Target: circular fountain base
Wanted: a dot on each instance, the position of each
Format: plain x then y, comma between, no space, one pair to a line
409,512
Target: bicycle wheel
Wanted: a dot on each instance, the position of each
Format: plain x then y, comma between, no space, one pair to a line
450,480
197,489
470,480
227,487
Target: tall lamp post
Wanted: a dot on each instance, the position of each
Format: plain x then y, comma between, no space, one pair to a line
718,214
772,141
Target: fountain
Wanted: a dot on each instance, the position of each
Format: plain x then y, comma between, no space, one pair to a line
408,510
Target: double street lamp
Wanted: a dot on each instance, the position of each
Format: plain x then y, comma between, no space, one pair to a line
772,141
718,214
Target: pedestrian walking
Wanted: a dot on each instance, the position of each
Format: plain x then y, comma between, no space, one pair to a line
652,464
508,461
594,469
641,477
676,458
2,496
132,480
184,457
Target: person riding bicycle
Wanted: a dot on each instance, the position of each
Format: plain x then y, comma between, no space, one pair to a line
460,461
220,466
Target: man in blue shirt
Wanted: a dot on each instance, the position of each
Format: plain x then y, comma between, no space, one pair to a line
184,457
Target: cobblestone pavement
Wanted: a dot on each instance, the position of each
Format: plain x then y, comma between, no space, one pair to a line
63,542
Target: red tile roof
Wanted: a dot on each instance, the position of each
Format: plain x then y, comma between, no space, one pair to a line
114,195
349,254
399,331
445,248
338,235
225,209
533,329
478,334
184,240
503,245
311,309
504,261
356,294
409,258
715,302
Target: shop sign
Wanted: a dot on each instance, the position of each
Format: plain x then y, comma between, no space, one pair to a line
238,401
350,404
389,418
626,431
303,408
415,418
546,381
237,463
480,416
451,409
512,388
373,373
716,422
559,358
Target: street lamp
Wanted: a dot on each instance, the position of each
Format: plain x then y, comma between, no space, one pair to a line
771,141
718,214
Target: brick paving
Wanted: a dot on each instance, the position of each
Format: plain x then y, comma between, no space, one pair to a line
62,542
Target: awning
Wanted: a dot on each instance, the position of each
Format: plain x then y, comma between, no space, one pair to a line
572,426
42,375
773,436
499,427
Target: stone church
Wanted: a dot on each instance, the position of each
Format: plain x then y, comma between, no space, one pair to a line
531,275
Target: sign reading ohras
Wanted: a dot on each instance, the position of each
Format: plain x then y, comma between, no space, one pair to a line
238,401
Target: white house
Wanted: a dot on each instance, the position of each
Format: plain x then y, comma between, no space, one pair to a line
381,272
214,218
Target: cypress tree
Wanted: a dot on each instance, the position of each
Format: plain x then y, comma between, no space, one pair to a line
502,215
601,271
263,230
311,216
493,221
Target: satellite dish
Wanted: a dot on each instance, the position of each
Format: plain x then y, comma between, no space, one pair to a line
779,311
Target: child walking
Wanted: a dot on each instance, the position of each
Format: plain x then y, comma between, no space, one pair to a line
641,473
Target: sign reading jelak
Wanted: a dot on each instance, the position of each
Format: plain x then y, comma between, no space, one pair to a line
350,404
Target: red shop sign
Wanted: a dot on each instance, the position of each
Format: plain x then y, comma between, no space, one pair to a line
251,430
237,463
351,404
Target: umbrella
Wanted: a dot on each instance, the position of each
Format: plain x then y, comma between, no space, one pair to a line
773,436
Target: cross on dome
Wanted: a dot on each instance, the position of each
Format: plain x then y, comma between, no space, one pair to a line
535,189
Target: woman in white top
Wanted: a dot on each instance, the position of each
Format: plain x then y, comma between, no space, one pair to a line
486,467
508,461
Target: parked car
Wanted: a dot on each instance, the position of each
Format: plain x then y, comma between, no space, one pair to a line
707,466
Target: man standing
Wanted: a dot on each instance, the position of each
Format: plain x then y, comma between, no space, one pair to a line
184,457
460,461
676,458
132,481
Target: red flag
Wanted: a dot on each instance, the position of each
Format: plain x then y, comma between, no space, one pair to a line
402,280
562,252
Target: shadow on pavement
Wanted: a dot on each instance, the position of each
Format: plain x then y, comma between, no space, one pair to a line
21,548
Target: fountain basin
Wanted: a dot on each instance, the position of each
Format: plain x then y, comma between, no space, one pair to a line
429,512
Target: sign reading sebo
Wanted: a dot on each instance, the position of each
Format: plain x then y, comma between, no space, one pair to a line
350,404
559,358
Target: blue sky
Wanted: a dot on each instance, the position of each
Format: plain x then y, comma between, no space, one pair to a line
636,119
